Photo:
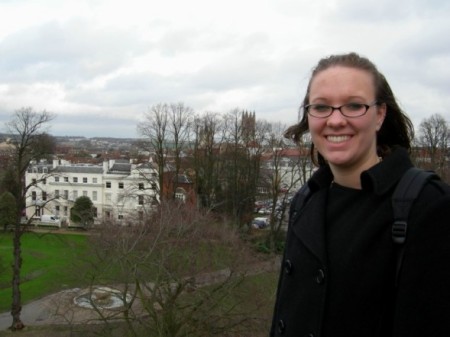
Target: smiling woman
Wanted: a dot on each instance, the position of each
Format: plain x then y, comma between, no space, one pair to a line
346,138
339,273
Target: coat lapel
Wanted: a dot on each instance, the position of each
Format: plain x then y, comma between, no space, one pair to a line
309,227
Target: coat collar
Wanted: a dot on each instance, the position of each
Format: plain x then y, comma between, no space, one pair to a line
380,179
383,177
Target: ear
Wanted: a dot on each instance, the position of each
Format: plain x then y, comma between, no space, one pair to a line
381,114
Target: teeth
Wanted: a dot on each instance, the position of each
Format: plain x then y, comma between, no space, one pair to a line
337,139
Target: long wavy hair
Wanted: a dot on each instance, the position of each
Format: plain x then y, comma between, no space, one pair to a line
396,130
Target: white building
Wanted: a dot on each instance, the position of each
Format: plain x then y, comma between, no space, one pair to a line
120,191
288,168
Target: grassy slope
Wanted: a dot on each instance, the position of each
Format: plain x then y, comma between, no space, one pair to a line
48,267
47,264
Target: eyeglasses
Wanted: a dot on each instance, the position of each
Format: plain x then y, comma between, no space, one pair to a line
348,110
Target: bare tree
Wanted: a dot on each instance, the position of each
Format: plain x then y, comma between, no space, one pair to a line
434,139
284,170
206,151
155,129
180,118
238,166
31,144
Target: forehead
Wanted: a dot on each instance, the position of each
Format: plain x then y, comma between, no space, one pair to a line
342,81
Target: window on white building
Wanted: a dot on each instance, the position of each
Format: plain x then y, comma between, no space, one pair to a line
108,184
180,194
141,200
44,195
120,216
56,194
75,195
85,180
66,194
141,186
94,195
85,193
56,179
121,185
33,195
65,210
94,180
75,179
66,179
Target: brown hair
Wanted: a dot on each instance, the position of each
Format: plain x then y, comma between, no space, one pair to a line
397,128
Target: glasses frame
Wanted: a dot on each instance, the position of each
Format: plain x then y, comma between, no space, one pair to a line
367,106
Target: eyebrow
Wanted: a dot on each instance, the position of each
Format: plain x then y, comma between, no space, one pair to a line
324,100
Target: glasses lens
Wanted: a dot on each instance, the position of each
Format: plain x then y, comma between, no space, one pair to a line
319,110
354,109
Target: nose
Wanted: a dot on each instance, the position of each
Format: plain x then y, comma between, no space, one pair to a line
336,118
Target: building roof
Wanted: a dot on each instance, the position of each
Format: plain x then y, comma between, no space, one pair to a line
79,169
183,179
120,168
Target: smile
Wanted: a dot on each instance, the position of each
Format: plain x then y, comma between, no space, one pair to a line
337,139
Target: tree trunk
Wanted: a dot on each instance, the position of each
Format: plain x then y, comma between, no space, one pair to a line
16,306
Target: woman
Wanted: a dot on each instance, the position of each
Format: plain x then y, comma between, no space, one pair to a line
338,271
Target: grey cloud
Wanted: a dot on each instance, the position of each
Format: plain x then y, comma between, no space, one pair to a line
142,88
92,125
65,52
377,12
227,76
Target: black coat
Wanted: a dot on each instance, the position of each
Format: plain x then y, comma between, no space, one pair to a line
356,294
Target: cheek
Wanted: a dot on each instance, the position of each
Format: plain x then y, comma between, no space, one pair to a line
313,125
368,130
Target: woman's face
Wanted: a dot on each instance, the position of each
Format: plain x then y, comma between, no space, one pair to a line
345,142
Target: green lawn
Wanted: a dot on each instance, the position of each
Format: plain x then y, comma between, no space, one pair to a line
48,264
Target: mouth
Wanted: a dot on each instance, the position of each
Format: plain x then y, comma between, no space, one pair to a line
338,139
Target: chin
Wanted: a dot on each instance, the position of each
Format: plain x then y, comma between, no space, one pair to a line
338,160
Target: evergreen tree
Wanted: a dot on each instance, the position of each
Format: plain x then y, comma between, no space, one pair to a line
7,210
82,212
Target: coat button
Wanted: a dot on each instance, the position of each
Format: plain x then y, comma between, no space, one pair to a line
288,267
281,326
320,277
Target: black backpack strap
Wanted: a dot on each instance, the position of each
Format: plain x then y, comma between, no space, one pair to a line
405,193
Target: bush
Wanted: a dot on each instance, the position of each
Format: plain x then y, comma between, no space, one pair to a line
182,270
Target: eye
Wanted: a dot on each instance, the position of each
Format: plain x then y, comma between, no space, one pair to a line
354,106
320,107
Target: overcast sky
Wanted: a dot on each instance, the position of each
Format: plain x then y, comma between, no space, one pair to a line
99,65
